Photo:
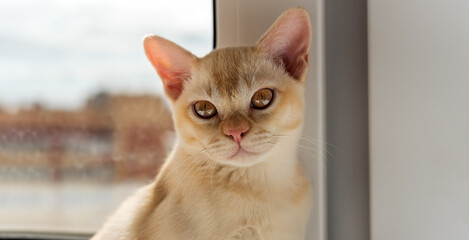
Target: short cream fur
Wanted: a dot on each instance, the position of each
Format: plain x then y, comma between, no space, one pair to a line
211,186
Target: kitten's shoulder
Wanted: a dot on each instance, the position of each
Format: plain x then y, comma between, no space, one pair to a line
126,222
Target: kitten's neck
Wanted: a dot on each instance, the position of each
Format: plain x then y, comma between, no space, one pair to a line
276,172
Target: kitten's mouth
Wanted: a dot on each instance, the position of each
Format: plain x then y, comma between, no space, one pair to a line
241,153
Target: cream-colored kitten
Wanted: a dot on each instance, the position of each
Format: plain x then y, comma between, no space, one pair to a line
234,173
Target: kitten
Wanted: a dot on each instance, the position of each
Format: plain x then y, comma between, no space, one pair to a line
234,173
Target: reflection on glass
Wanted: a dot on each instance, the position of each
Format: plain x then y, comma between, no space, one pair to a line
82,120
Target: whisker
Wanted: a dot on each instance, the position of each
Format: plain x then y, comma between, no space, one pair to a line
183,177
301,146
211,177
310,139
193,172
203,149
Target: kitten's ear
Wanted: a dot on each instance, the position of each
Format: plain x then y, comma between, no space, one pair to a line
287,41
172,62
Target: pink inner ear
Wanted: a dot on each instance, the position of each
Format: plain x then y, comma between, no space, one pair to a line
287,41
173,81
172,62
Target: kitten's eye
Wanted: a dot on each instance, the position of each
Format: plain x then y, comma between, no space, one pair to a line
205,109
262,98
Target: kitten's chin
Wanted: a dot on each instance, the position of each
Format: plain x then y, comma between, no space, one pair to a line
242,158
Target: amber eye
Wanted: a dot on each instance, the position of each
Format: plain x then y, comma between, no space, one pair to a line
262,98
205,109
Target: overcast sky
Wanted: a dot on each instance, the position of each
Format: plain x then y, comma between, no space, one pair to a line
59,52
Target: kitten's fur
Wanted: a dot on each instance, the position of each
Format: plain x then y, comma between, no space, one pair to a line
205,190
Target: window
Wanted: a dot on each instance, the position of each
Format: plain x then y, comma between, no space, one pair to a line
82,119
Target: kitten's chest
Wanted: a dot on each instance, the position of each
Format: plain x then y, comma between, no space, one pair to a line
268,216
226,210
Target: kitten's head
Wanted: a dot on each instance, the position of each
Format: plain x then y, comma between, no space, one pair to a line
236,105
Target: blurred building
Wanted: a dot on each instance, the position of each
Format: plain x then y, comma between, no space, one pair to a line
112,138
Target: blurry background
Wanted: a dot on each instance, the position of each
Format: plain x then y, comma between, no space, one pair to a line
82,119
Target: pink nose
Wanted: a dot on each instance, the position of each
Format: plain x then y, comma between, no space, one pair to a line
236,133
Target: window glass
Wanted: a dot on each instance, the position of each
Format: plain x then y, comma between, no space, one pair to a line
82,119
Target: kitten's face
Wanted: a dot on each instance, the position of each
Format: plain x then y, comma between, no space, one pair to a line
237,105
252,105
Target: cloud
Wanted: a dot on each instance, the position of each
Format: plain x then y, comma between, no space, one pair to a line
58,52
